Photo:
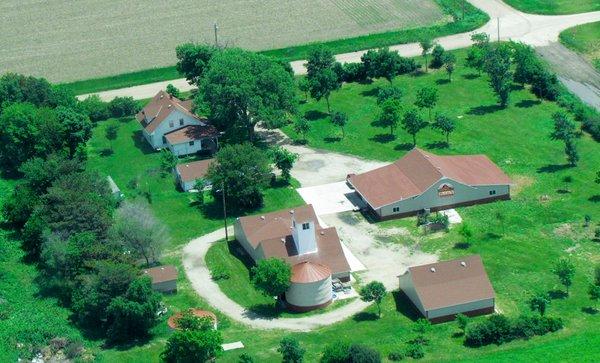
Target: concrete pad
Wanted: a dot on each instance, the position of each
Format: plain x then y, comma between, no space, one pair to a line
331,198
453,216
232,346
353,261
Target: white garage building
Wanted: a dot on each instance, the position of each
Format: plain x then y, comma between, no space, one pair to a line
443,289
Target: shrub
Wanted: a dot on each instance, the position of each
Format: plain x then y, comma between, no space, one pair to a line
336,353
123,106
95,108
396,356
498,329
353,72
415,351
389,93
290,350
362,354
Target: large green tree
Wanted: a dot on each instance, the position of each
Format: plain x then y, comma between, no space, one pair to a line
244,171
291,351
321,74
77,127
242,88
498,66
271,276
192,346
565,131
412,123
373,291
564,270
193,59
427,97
284,161
445,125
390,115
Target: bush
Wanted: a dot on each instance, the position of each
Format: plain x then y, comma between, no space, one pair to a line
389,93
123,106
498,329
353,72
336,353
591,124
415,351
396,356
362,354
95,108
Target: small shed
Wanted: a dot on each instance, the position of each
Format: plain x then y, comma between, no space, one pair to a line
310,287
164,278
189,173
443,289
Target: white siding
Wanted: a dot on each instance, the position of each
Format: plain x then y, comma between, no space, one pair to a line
462,308
310,294
156,139
165,286
185,148
407,286
430,198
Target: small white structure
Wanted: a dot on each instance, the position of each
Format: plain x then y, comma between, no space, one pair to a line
189,173
114,189
164,278
310,287
443,289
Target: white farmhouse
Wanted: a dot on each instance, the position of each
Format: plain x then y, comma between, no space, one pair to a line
169,123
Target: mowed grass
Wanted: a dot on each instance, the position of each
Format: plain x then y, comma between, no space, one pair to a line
584,39
106,37
554,7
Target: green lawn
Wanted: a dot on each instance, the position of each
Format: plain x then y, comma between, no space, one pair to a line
473,19
555,7
584,39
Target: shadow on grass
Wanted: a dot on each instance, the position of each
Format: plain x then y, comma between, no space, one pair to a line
404,146
589,310
300,142
140,142
458,334
127,346
383,138
471,76
442,81
484,110
462,245
437,145
265,311
373,92
553,168
557,294
365,316
594,198
404,306
492,235
312,115
106,152
332,139
563,191
528,103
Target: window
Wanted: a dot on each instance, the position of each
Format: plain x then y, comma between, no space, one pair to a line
492,192
305,226
180,122
164,139
396,209
191,143
171,124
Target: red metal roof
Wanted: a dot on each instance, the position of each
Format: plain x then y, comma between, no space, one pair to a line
307,272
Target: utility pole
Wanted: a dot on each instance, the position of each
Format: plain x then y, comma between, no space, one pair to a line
216,35
224,211
498,28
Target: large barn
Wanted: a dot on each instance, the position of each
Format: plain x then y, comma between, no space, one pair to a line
422,181
168,122
295,235
443,289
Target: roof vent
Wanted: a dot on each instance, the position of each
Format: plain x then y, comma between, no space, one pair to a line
322,233
432,269
169,106
262,217
283,240
162,95
292,211
463,263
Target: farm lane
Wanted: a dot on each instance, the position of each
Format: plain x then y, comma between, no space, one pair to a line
199,275
535,30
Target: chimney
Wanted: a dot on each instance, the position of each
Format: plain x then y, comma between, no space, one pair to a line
305,237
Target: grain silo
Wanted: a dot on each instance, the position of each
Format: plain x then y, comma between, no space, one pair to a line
310,287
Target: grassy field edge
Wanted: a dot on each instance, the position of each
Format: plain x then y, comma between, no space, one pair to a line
474,18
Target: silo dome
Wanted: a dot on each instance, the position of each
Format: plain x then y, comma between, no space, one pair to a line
310,287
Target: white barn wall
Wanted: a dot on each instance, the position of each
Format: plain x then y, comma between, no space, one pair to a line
156,139
462,308
407,286
185,148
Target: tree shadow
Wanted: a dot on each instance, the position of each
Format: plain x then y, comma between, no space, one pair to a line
442,81
365,316
383,138
332,139
312,115
516,87
373,92
553,168
528,103
589,310
471,76
265,310
492,235
563,191
106,152
437,145
557,294
128,345
140,142
300,142
404,306
484,110
594,198
462,245
404,146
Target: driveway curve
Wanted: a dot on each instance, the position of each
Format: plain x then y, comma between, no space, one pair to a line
506,23
199,275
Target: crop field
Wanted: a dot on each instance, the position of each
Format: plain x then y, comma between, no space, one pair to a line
94,38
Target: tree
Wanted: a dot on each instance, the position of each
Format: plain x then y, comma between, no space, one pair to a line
476,58
597,177
594,293
449,63
388,64
322,84
373,291
190,346
123,106
95,108
571,152
111,133
302,127
438,55
340,119
16,88
462,321
284,160
304,87
290,350
498,67
168,161
427,97
132,315
319,59
564,270
539,302
389,115
244,171
173,91
271,276
387,93
359,353
426,44
466,232
445,125
138,231
526,62
564,130
193,60
412,123
241,88
77,126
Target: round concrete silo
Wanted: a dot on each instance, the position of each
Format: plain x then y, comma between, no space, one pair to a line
310,287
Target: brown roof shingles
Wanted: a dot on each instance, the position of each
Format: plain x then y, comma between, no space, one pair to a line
418,170
191,133
193,170
161,273
161,106
452,283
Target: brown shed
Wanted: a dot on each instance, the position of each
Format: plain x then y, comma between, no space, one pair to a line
164,278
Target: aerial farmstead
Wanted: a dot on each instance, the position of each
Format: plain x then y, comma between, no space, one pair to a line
424,182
